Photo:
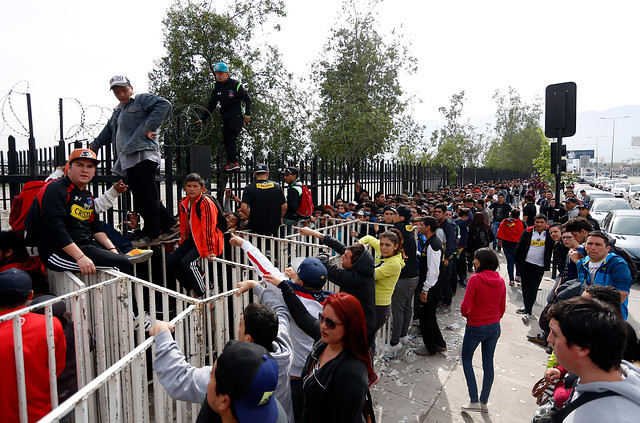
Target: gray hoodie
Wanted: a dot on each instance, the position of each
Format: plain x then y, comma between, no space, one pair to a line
185,382
621,408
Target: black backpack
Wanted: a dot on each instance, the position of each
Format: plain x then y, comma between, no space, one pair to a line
222,220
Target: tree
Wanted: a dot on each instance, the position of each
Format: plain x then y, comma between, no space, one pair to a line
361,112
518,138
196,37
456,144
542,165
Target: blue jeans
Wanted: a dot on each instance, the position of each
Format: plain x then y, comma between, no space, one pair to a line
474,335
494,229
509,249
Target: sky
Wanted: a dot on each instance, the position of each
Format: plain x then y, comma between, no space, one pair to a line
71,48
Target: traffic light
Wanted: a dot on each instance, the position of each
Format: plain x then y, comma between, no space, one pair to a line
562,163
554,158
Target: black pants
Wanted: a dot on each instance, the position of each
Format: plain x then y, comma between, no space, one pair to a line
183,265
141,179
230,130
447,290
531,276
431,334
461,266
102,259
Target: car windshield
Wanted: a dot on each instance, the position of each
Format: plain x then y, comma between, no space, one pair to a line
600,194
634,188
626,225
604,205
622,185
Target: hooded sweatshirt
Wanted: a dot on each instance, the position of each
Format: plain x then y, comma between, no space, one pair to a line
621,408
484,299
387,271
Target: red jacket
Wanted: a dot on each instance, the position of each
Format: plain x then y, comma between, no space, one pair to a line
511,230
206,235
484,299
36,366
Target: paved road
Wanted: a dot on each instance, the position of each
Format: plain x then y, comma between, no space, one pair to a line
432,389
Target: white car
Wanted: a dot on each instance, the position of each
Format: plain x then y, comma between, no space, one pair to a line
608,185
630,191
619,188
635,200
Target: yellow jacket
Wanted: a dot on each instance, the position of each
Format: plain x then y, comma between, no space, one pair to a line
387,271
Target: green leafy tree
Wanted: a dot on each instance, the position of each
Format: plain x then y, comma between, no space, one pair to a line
361,111
196,36
542,165
457,143
517,136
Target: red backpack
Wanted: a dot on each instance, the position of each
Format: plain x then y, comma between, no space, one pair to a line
306,203
22,202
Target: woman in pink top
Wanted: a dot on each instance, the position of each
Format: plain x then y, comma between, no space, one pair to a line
483,306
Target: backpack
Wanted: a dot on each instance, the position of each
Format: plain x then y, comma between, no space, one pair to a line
222,220
21,204
33,220
306,203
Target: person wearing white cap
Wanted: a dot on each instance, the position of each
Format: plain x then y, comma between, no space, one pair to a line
132,130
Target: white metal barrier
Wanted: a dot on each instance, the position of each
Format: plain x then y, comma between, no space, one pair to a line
115,380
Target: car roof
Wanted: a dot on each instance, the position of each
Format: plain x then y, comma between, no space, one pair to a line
626,212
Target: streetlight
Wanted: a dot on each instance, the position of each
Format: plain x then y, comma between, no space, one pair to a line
613,139
597,138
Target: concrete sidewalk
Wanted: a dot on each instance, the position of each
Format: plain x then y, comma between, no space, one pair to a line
432,389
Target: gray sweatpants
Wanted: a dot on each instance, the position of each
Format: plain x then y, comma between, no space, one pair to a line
401,309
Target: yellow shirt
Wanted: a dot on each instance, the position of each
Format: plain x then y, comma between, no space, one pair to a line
387,271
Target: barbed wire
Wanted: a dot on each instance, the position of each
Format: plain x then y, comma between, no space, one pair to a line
182,129
9,114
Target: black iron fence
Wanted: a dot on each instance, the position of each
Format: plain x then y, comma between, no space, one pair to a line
326,179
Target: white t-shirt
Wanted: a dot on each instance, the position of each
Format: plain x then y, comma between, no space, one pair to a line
535,255
593,268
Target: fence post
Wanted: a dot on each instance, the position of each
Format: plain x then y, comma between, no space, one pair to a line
32,141
60,156
14,187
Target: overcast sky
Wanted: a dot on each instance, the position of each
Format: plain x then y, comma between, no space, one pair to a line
70,49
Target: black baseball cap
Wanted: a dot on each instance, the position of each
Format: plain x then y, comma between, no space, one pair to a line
15,283
290,171
261,168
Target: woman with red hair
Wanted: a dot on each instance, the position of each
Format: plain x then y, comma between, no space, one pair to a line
337,372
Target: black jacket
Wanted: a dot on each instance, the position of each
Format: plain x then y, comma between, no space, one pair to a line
358,281
410,269
336,392
522,248
230,94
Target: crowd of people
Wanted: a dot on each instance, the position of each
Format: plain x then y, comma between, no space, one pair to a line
305,354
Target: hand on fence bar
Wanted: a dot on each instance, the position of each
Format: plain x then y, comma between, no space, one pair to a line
160,326
236,241
273,279
210,257
86,265
244,286
308,232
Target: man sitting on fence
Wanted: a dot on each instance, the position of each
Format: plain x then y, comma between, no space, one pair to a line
15,291
69,233
201,227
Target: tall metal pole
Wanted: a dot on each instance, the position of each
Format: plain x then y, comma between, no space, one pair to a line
32,141
597,138
613,139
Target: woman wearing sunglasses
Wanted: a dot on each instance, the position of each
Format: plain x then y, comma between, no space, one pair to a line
483,306
337,372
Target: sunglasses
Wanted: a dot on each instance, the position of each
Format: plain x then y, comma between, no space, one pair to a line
331,324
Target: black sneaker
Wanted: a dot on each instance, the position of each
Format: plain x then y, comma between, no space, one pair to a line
538,340
521,311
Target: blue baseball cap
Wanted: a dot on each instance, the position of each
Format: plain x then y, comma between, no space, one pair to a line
220,67
15,282
312,273
249,375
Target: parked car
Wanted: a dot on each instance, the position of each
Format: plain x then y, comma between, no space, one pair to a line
619,188
631,189
635,200
623,226
600,207
596,193
608,185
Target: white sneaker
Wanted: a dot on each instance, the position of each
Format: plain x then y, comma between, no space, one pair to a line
472,406
404,340
392,351
525,318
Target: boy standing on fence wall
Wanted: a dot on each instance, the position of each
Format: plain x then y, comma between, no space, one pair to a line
200,235
132,131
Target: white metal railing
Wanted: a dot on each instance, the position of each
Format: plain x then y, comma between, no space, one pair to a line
115,380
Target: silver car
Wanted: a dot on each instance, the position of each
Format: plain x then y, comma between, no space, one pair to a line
630,191
600,207
619,189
